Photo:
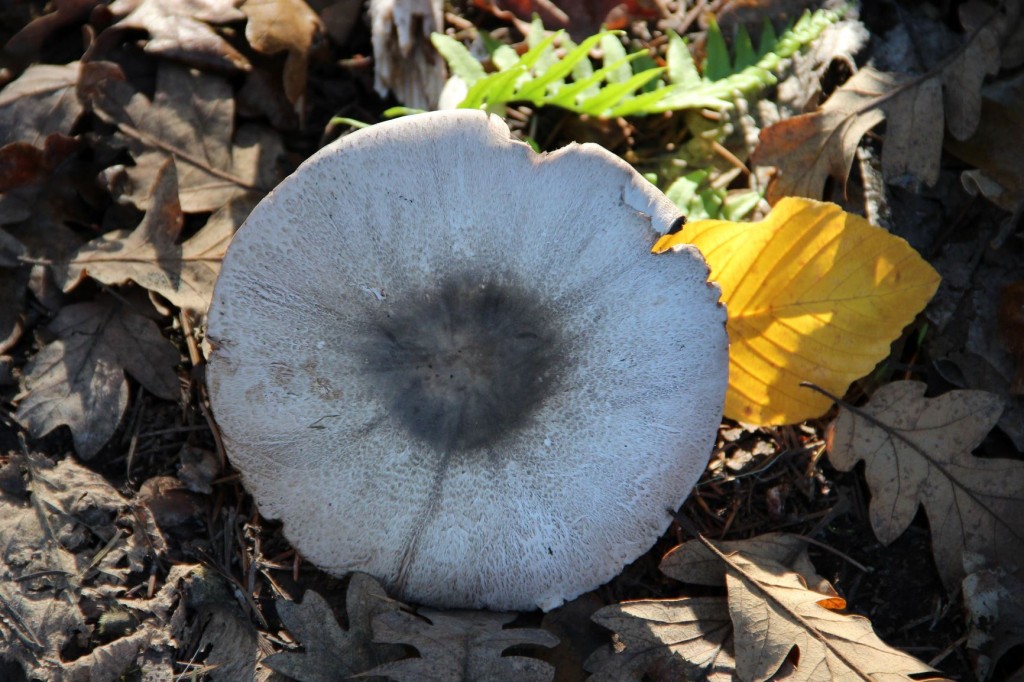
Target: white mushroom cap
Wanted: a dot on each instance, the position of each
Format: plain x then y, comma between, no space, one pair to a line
453,363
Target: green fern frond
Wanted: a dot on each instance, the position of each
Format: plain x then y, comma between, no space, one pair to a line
625,84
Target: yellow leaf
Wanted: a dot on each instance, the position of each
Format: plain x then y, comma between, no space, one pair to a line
814,294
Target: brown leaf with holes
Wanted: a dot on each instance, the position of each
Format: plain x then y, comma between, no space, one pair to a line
39,103
285,26
917,452
190,118
181,30
151,256
809,148
460,645
79,378
68,539
332,653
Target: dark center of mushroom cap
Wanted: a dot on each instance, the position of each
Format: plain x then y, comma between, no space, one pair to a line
467,363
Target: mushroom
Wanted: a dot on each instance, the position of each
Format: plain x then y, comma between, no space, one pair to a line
450,362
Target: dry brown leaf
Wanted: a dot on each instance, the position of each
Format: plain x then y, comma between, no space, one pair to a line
180,29
998,171
40,102
285,25
150,256
807,149
62,543
220,629
917,452
29,39
330,652
994,602
151,646
692,562
750,634
190,118
774,611
460,645
79,380
663,640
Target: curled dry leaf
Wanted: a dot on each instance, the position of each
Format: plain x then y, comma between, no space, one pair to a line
917,452
150,256
40,102
330,652
285,25
814,294
79,380
180,29
809,148
460,645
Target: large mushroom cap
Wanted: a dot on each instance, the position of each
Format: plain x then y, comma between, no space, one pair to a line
453,363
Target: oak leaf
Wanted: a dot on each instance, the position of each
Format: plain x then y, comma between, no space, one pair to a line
285,26
814,294
917,452
809,148
457,646
79,380
180,29
773,611
750,633
330,652
150,256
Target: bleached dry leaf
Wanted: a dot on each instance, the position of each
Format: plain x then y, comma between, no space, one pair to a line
669,639
330,652
917,452
455,646
150,256
692,562
220,629
62,543
809,148
191,118
180,29
40,102
773,611
285,25
79,380
404,61
750,634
